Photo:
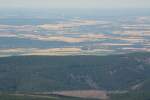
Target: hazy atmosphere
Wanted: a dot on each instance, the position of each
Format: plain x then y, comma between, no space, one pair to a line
75,3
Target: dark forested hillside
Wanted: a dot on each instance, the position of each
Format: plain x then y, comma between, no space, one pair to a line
49,73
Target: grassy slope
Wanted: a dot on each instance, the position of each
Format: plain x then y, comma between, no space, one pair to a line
38,97
134,95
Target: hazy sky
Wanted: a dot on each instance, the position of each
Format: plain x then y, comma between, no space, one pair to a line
75,3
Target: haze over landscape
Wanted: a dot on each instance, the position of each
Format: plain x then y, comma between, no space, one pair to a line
74,49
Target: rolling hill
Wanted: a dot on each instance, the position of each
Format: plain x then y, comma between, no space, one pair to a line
58,73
